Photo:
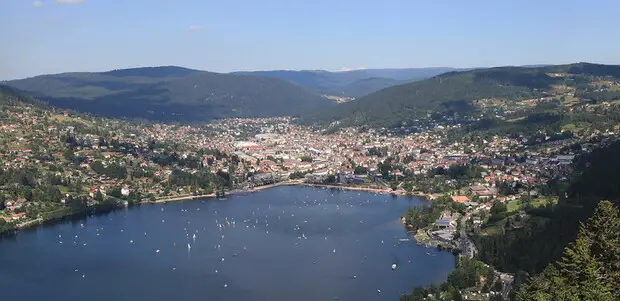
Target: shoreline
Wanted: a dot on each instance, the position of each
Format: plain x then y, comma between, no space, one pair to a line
38,222
367,189
233,192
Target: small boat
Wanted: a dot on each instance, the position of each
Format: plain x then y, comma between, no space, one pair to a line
393,266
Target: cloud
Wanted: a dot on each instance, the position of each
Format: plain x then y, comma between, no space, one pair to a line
68,1
38,3
195,27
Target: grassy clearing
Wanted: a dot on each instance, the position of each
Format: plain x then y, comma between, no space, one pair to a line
513,206
63,189
493,229
539,202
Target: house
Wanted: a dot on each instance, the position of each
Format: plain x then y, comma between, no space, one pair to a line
125,191
445,223
460,199
263,179
397,173
304,166
18,216
486,206
483,192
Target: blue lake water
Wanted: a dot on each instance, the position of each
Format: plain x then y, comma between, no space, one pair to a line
285,243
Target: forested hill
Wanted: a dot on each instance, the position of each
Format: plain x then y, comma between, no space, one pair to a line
355,83
171,93
550,228
456,91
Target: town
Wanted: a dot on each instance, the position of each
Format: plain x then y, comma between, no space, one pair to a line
60,162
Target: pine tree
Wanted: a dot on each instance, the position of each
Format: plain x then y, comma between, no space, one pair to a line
604,231
549,285
582,272
590,267
99,196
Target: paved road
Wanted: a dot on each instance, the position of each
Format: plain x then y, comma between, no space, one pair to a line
465,244
469,249
507,280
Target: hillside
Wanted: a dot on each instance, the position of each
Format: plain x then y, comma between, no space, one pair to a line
457,91
353,83
171,93
368,85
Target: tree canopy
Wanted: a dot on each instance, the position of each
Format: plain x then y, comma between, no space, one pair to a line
590,267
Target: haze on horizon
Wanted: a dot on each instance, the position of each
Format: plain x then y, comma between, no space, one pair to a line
53,36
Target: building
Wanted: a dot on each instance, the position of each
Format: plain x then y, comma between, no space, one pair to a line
263,179
445,223
460,199
125,191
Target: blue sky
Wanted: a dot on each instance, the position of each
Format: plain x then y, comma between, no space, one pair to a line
52,36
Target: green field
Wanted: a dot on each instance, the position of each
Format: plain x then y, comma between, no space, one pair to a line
513,206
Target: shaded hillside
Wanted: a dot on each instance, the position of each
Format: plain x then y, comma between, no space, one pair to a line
171,93
368,86
454,92
549,230
9,94
157,72
403,74
354,83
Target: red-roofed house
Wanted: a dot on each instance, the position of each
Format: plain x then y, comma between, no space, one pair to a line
17,216
460,199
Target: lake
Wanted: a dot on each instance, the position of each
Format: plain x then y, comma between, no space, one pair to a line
284,243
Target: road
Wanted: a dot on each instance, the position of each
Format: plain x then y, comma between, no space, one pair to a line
469,250
464,243
507,280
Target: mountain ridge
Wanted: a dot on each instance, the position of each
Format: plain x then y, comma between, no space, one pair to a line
454,92
343,83
171,93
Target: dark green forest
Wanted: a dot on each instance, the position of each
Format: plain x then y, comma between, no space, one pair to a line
172,94
453,92
551,228
354,83
590,266
568,251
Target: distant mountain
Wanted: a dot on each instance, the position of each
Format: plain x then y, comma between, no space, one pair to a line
8,93
171,93
369,85
454,91
354,83
155,72
406,74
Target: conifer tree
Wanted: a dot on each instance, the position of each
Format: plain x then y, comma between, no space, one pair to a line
590,267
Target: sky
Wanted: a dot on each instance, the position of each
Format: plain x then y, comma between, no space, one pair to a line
54,36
